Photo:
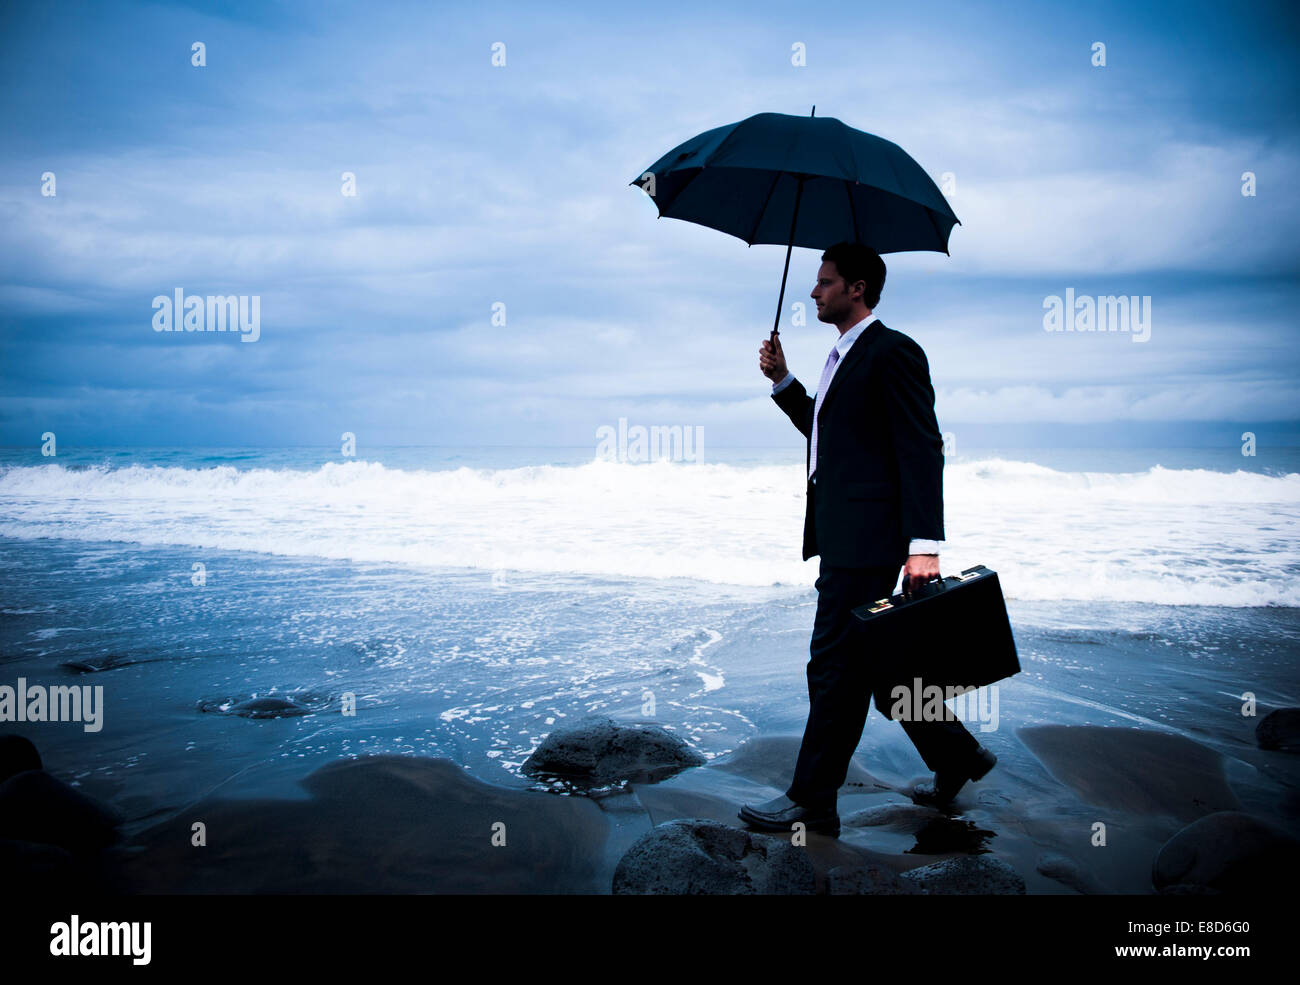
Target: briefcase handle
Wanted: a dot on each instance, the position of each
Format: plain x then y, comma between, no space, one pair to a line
932,587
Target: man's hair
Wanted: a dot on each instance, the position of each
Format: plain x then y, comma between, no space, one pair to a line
855,262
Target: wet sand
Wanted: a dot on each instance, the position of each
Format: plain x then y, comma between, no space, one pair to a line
401,824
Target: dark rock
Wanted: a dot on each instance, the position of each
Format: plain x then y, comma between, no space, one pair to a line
268,708
35,806
967,875
600,751
17,755
906,817
768,761
32,869
373,824
1134,770
1230,852
1279,729
288,705
107,661
872,880
31,860
695,856
1066,871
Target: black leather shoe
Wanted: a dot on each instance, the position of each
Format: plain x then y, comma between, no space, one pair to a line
782,818
948,782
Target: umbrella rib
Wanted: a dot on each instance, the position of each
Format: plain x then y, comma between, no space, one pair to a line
937,231
759,221
857,237
857,171
930,213
685,184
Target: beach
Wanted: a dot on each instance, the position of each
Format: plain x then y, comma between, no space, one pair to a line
344,711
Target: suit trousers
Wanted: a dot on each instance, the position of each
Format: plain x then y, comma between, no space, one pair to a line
840,685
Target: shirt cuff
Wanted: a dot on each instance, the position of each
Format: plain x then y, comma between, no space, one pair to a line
778,387
924,547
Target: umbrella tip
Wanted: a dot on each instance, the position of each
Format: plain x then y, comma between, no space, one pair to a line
814,112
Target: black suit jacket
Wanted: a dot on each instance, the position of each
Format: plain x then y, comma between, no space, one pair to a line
879,479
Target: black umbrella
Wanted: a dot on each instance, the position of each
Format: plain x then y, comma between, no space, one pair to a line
802,181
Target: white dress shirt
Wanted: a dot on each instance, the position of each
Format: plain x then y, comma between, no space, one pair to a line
845,342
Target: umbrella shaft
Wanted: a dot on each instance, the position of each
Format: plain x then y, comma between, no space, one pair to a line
794,219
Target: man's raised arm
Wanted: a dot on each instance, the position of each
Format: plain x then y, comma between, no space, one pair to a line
788,392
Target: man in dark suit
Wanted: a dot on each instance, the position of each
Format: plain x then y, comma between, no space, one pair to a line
875,504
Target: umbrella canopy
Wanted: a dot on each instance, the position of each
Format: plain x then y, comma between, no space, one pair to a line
801,181
744,178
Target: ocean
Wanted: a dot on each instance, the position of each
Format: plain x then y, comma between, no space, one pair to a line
1180,527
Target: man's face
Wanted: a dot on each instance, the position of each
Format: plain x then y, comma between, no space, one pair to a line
834,302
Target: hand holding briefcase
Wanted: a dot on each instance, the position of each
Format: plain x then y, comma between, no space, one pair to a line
951,633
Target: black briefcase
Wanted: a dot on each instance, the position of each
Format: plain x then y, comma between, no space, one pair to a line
952,633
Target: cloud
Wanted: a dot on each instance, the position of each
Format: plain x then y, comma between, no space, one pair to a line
479,186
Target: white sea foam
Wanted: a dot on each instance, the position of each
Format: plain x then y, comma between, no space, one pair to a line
1162,536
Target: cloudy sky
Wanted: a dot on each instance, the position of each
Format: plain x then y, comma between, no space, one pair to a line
481,185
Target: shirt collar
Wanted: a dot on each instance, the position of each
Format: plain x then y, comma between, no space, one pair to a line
851,336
